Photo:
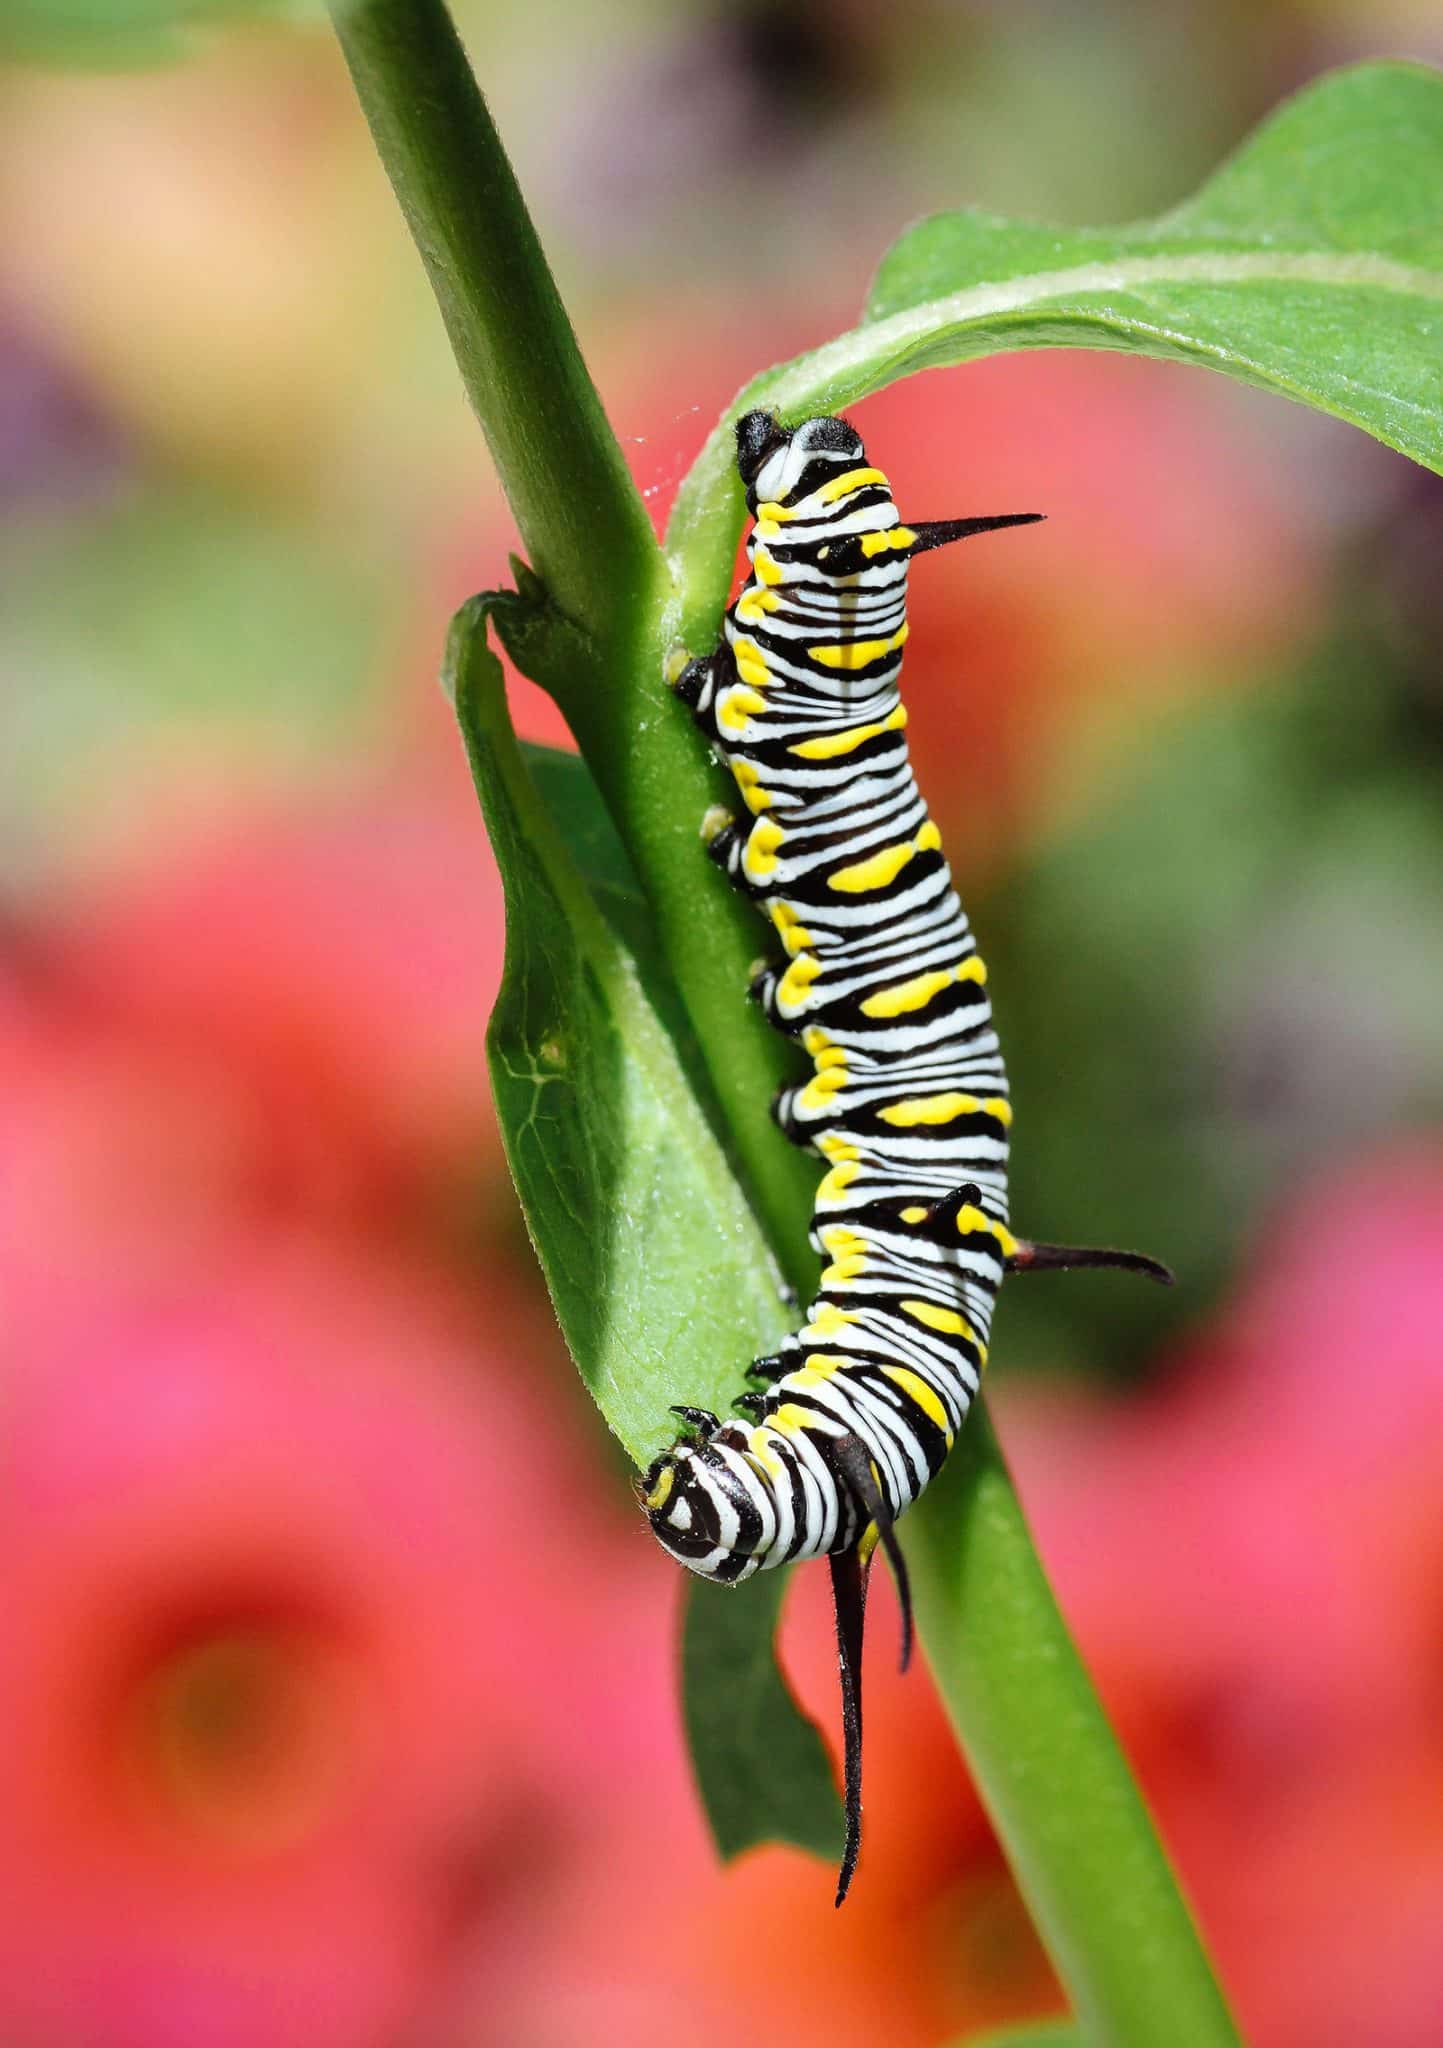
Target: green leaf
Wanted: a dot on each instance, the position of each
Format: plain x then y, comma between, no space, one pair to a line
661,1277
1310,264
761,1767
103,33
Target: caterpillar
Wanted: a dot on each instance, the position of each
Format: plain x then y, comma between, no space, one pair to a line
907,1102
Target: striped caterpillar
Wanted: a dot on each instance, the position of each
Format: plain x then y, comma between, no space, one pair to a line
907,1101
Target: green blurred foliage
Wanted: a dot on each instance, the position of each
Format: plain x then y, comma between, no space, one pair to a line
172,618
1227,977
97,33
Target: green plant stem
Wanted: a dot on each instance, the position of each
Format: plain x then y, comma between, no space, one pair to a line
587,534
1048,1766
1047,1763
583,522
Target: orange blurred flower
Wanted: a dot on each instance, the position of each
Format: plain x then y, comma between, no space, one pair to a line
1253,1561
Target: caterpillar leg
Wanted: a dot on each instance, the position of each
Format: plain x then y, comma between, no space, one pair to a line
700,1419
697,686
784,1116
724,836
762,984
1058,1258
765,987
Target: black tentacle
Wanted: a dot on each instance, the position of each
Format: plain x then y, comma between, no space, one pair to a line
936,533
1063,1258
855,1464
849,1598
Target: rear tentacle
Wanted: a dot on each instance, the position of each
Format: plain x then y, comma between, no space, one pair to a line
855,1464
849,1598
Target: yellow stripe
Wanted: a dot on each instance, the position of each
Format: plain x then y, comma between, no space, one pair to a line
907,995
761,849
875,872
834,1185
822,1089
832,1145
832,744
763,1454
749,782
826,1320
790,1418
661,1492
793,934
736,706
849,1256
928,1111
773,509
750,662
853,654
753,606
973,969
850,480
816,1041
764,568
799,978
883,543
941,1109
926,1398
973,1222
945,1319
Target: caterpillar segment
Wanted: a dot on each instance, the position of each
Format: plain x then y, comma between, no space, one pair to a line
907,1103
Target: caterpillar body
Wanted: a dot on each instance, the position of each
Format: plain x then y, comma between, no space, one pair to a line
907,1102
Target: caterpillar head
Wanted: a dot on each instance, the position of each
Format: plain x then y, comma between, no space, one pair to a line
772,459
665,1490
701,1511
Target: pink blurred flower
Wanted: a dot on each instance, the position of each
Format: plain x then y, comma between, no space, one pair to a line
266,1757
1253,1561
282,1015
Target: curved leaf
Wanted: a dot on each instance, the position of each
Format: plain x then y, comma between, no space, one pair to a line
761,1767
1310,264
660,1274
